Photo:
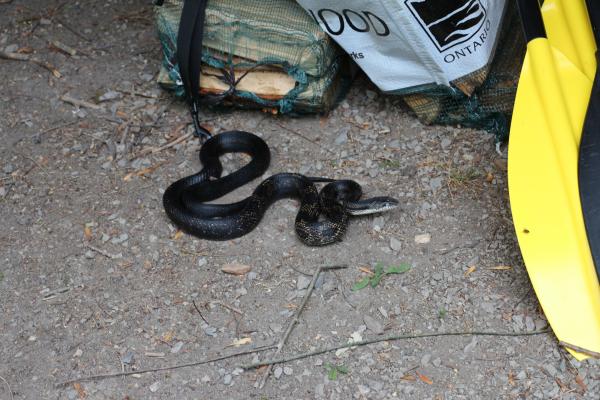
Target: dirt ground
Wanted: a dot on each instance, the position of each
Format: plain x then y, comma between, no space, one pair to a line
95,280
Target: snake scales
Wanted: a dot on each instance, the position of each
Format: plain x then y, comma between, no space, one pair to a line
185,201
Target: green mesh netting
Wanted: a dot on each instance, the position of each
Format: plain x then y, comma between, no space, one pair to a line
284,59
492,89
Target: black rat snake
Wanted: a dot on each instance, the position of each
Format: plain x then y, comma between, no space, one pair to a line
185,201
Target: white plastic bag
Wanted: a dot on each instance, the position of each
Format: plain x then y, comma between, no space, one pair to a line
404,44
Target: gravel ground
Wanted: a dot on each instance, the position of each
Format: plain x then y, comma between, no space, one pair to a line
95,280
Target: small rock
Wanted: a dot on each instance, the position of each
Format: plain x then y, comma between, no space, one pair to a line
146,77
423,238
205,379
277,373
118,240
72,394
177,347
342,136
251,276
202,261
276,328
395,244
320,390
437,362
236,269
529,324
110,95
227,379
378,223
3,191
288,370
154,387
468,348
445,143
364,390
375,385
12,48
78,353
373,325
210,330
425,360
522,375
550,369
435,184
8,169
90,254
127,358
302,282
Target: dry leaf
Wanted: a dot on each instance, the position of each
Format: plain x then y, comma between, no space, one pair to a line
366,271
425,378
25,50
560,383
178,234
580,382
511,378
87,232
408,378
80,391
128,177
236,269
167,337
241,342
489,177
149,170
471,269
501,164
501,267
122,115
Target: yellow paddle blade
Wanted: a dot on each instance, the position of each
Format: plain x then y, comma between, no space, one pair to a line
550,107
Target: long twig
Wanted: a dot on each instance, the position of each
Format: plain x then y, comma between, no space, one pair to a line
199,313
295,132
296,318
388,338
8,386
25,57
227,306
100,251
168,368
581,350
154,150
80,103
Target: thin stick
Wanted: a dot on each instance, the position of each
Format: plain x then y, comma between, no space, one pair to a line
295,319
303,137
164,147
8,386
25,57
388,338
100,251
199,313
581,350
59,127
80,103
227,306
169,368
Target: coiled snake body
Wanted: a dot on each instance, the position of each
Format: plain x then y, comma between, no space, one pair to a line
185,201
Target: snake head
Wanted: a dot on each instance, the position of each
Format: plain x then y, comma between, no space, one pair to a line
371,206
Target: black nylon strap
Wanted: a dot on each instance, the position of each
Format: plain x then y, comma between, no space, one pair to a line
189,55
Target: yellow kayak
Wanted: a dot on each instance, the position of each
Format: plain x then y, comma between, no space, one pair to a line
550,109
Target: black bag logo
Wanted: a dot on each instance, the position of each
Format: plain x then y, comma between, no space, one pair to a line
448,22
